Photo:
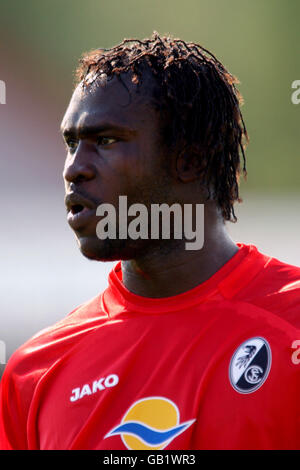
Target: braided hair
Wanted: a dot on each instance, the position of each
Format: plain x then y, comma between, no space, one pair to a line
197,99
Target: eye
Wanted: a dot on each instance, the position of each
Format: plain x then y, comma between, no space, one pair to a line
71,144
105,140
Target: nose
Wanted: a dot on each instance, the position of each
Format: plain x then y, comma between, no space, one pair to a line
78,166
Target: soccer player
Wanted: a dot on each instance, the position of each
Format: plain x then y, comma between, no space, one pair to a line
185,349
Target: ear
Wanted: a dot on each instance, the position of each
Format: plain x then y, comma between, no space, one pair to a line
189,166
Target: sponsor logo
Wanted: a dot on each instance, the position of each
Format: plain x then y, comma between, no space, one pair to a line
150,423
250,365
97,386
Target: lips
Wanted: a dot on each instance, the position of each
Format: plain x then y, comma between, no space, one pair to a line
80,210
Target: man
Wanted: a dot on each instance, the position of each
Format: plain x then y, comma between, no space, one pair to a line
186,349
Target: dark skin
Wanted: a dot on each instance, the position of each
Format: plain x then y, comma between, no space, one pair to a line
115,148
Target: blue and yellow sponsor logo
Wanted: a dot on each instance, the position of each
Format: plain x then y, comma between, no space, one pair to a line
150,423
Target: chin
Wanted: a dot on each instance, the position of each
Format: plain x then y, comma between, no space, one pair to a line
105,250
115,250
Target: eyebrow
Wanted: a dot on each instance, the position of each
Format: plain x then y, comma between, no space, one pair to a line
88,131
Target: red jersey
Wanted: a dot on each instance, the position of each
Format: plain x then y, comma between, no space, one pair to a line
212,368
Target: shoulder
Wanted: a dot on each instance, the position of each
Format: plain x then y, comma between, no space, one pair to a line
31,360
28,364
275,288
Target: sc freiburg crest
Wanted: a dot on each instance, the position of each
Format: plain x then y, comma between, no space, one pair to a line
250,365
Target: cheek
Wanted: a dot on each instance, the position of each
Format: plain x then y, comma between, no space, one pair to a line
144,161
126,168
134,169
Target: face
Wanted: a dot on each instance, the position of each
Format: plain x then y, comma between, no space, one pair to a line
113,149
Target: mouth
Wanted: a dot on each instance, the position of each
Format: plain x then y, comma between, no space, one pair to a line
76,209
80,211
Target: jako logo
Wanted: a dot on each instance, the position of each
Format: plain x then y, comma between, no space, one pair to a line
2,92
150,424
96,386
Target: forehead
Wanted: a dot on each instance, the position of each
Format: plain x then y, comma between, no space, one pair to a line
117,102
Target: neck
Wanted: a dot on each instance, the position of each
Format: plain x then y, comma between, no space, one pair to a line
165,273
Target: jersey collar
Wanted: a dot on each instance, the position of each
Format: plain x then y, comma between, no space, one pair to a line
230,279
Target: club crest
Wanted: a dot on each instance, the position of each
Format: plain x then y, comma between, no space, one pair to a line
250,365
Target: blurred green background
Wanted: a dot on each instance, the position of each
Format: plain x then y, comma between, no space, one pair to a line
43,275
257,40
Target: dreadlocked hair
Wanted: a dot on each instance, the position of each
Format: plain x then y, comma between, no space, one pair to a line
197,99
